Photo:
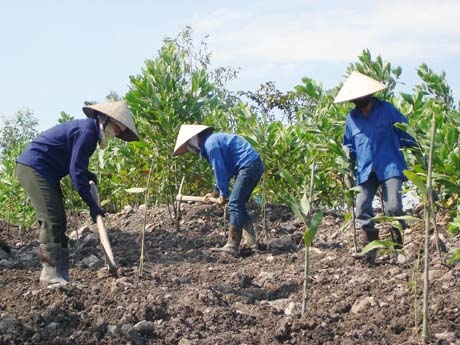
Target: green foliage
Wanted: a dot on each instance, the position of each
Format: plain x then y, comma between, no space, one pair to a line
378,244
65,117
294,132
16,132
378,69
173,89
393,222
454,256
454,225
302,210
312,228
432,101
14,135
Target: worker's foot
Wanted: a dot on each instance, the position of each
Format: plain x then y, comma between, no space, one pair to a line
228,249
370,257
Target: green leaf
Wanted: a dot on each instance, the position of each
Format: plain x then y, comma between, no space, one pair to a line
305,205
418,180
406,218
312,228
295,207
378,244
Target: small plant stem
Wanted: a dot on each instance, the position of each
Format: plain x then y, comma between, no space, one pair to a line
144,221
428,207
305,279
264,208
415,287
225,218
353,221
312,184
307,247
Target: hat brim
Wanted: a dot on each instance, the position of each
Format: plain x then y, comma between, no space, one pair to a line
187,132
358,85
115,110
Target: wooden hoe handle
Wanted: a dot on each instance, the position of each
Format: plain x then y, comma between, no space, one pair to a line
104,237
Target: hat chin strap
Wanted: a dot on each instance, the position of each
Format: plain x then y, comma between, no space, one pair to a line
102,139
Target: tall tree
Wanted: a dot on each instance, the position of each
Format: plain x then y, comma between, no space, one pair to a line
17,131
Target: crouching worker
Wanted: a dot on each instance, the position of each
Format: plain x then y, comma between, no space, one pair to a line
230,156
65,149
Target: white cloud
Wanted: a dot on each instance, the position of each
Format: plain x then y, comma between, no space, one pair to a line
397,30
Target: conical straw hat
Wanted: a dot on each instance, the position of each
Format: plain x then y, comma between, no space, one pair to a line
358,85
187,132
119,112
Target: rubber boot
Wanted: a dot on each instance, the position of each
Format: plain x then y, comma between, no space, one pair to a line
371,235
55,264
370,256
396,238
249,236
233,243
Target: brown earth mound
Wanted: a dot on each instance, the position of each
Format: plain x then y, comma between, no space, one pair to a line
187,294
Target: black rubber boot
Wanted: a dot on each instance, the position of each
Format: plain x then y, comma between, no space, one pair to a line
233,243
371,256
55,264
396,238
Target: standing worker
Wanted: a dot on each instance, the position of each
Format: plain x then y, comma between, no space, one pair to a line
374,145
230,156
65,149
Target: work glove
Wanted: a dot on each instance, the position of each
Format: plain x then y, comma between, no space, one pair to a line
92,177
95,211
221,201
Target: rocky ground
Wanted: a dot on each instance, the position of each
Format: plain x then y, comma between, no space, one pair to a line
185,294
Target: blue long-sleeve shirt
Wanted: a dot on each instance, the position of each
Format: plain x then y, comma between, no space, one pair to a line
375,143
64,149
227,154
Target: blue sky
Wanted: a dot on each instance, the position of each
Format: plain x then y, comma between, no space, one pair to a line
57,54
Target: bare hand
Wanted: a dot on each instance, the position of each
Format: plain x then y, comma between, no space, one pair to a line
207,198
221,201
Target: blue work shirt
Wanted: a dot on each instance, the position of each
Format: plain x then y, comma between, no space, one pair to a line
375,143
64,149
227,154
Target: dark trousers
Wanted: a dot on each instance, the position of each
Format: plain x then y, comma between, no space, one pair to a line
48,204
245,182
392,204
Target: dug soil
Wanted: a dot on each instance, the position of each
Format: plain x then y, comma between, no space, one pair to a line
172,289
